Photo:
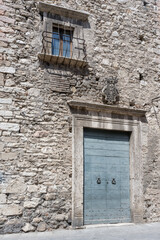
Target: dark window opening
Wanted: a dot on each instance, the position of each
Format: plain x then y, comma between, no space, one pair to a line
62,42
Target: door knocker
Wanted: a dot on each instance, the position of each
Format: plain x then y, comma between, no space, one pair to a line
98,181
114,181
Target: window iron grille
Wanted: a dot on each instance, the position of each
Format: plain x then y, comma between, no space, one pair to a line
62,44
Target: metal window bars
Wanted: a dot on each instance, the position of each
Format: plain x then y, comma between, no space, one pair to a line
73,54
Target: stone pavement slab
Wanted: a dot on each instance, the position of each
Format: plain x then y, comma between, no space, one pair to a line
150,231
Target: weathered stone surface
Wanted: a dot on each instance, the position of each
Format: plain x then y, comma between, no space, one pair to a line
60,217
5,100
28,174
122,1
47,150
122,40
9,83
28,228
1,146
50,196
25,61
13,226
41,227
31,204
20,42
32,188
42,189
11,210
37,220
34,92
1,79
9,127
40,134
7,156
2,198
6,30
2,220
105,62
16,186
10,52
4,113
10,70
7,19
5,8
5,41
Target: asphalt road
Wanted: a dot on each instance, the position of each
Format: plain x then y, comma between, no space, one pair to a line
150,231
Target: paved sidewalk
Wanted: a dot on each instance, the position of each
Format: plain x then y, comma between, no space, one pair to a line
149,231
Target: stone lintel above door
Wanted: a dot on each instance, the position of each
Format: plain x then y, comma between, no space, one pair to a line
99,107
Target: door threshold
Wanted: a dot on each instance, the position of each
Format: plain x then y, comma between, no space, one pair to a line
109,225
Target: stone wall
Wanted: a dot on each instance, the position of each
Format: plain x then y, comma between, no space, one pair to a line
35,120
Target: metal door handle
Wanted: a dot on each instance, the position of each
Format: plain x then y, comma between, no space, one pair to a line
114,181
98,181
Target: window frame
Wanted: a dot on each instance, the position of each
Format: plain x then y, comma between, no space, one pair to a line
62,32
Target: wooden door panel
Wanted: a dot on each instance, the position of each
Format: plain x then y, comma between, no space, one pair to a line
106,157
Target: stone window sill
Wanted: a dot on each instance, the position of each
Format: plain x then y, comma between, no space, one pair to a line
62,60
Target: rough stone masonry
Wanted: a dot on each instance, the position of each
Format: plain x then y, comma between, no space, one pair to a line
35,119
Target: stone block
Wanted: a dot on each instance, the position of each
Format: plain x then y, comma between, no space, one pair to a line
115,34
10,52
2,220
37,220
3,44
31,204
28,174
9,156
28,228
50,196
2,23
2,198
40,134
47,150
60,217
16,186
42,189
12,210
1,146
2,34
9,127
25,61
105,62
10,70
4,113
13,226
5,100
41,227
1,79
5,8
20,42
7,19
1,12
122,1
9,83
7,40
32,188
6,29
34,92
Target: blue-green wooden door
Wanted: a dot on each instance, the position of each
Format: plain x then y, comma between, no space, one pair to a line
106,177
